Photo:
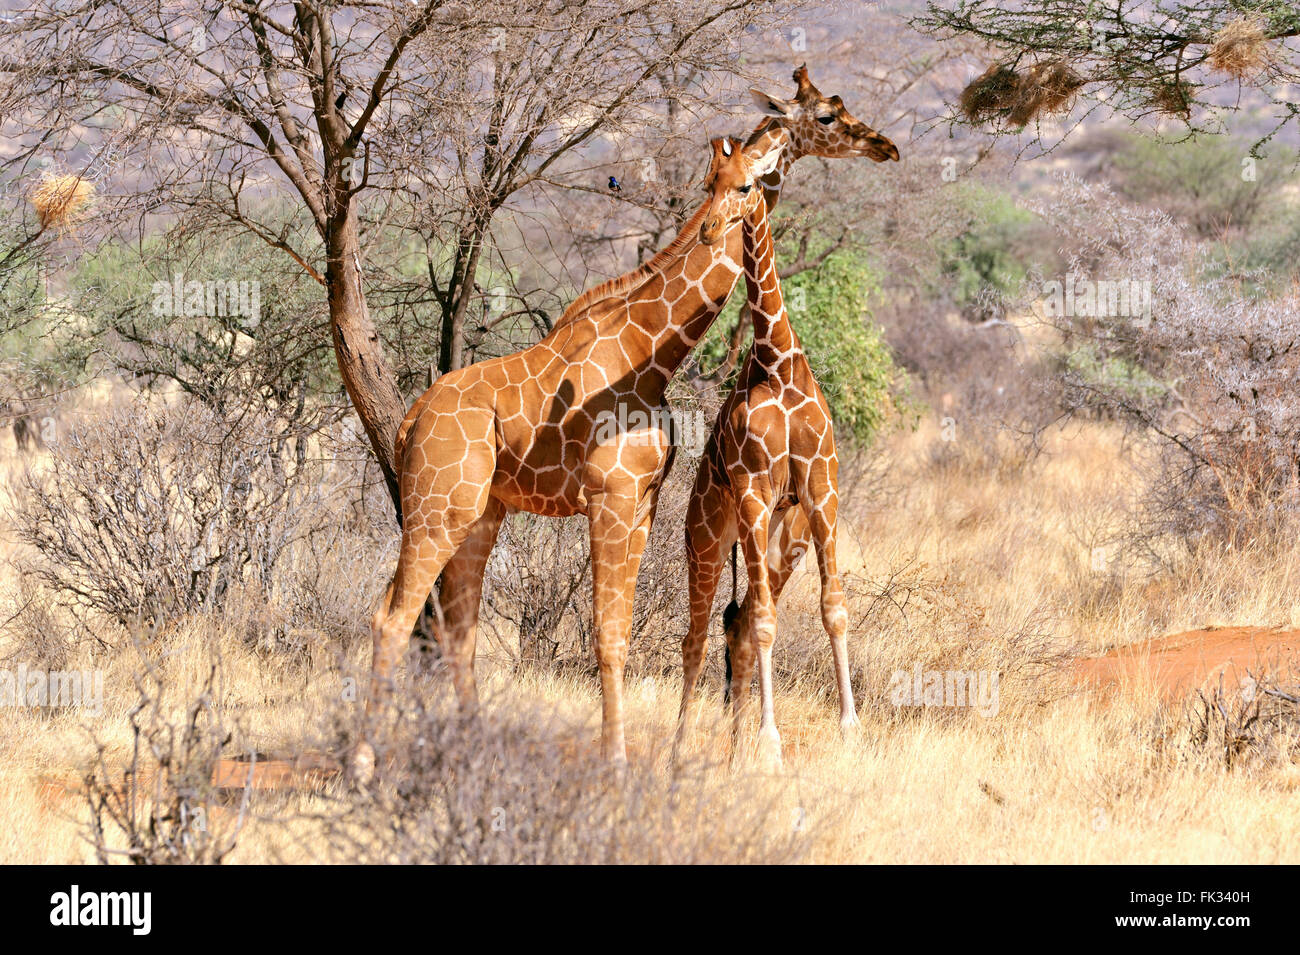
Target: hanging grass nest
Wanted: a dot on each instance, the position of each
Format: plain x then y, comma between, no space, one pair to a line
989,95
1174,99
1045,89
1002,93
61,202
1241,48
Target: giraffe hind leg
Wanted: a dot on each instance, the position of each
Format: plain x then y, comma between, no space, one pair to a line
459,599
835,615
441,509
789,541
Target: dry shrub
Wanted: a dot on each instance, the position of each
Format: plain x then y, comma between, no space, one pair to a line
911,619
1258,723
1206,375
537,583
512,786
1001,93
62,201
31,630
148,514
162,807
1241,49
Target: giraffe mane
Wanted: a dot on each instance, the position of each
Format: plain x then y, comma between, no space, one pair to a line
617,287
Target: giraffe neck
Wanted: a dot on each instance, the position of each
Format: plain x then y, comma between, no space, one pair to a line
774,337
678,310
714,272
769,135
677,303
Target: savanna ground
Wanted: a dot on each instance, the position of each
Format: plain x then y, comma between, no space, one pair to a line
957,557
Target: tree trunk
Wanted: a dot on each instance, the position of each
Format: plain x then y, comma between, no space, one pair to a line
451,348
371,386
366,376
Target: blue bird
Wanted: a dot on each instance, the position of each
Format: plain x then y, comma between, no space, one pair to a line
615,185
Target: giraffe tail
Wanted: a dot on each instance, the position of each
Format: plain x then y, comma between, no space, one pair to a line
730,615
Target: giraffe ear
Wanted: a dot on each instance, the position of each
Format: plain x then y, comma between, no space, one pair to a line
765,163
771,105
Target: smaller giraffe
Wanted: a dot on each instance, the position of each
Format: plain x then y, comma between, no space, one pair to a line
772,448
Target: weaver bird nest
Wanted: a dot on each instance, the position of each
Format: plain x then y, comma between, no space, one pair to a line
61,202
1174,98
1001,93
1241,49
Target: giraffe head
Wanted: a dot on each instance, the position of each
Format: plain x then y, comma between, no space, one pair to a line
821,126
731,184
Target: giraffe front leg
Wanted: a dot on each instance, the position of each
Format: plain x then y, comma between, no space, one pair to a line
754,518
610,520
710,531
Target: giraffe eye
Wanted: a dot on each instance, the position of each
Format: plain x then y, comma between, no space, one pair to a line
744,190
825,120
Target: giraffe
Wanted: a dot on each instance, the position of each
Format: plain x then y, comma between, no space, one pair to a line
524,431
772,450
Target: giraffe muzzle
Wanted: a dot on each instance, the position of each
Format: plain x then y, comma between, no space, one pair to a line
875,146
712,228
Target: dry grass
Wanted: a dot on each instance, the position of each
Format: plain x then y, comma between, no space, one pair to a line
963,566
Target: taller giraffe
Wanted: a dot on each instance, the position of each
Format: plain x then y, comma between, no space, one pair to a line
772,450
520,432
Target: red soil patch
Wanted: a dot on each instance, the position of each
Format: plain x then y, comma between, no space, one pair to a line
1178,664
311,772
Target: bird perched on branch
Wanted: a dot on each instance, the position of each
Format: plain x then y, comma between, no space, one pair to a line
615,185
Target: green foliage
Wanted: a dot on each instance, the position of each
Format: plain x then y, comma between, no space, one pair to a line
828,307
29,329
1244,204
1115,375
260,342
987,259
1211,185
27,326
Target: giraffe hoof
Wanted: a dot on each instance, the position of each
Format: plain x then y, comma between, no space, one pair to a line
850,728
769,750
361,765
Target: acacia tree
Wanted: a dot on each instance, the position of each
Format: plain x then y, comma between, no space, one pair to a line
1166,58
322,127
